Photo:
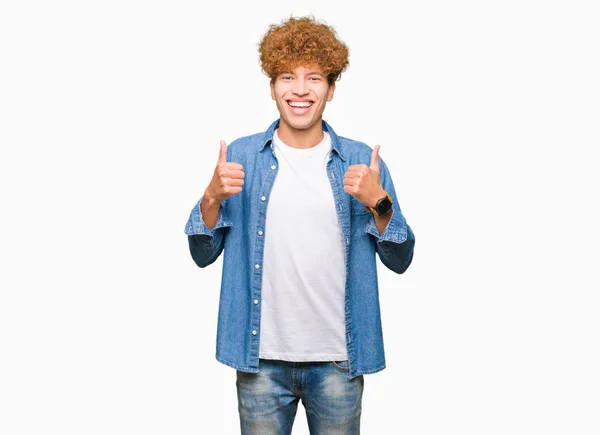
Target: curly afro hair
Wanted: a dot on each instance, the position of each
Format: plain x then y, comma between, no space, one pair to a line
301,42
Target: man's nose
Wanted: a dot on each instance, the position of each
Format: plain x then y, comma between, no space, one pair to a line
300,87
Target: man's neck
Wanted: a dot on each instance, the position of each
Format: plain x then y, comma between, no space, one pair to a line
300,138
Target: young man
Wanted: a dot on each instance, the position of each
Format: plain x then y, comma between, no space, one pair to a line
301,215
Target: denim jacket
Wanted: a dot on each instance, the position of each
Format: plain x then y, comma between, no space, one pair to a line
240,234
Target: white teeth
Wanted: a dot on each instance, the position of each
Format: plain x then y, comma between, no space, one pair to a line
300,103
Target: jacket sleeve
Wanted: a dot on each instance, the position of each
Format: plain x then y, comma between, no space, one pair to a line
206,245
396,243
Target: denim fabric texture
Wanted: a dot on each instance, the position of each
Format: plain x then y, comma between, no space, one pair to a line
240,231
268,400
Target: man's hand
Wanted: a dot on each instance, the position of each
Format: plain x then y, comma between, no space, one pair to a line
227,179
362,181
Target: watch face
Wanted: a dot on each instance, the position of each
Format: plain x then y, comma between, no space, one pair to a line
383,206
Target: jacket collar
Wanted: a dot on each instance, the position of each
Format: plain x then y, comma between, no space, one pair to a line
336,145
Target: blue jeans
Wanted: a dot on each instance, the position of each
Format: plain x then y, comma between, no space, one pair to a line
268,400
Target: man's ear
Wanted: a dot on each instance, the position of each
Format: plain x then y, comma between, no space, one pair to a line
330,92
272,90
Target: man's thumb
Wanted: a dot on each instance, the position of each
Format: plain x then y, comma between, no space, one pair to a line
375,158
223,152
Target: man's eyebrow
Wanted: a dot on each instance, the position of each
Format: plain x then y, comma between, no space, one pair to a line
312,73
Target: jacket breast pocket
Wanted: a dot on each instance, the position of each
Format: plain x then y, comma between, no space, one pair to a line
359,217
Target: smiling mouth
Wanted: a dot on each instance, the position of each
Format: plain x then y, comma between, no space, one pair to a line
300,104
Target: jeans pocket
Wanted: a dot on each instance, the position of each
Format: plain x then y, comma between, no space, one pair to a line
341,365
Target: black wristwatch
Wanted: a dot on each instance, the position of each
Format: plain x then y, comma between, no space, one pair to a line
383,206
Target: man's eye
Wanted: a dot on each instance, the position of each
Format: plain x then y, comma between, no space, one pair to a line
316,79
286,77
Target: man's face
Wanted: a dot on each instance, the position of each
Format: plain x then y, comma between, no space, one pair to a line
301,96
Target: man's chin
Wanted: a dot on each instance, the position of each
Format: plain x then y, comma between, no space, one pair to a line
295,125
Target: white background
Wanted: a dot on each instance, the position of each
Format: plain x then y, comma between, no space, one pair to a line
110,119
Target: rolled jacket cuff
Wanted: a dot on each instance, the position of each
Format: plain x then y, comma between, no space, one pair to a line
196,226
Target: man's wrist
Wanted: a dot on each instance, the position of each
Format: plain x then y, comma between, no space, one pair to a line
374,202
209,202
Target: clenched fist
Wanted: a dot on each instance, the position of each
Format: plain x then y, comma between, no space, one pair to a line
363,182
227,179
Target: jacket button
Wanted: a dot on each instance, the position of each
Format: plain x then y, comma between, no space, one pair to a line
263,198
273,167
254,332
256,266
255,301
260,233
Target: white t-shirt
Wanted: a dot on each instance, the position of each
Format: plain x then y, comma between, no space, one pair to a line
304,274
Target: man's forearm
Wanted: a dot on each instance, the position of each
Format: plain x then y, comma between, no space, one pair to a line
209,208
382,221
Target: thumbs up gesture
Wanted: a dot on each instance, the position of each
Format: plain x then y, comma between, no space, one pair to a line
227,179
363,182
